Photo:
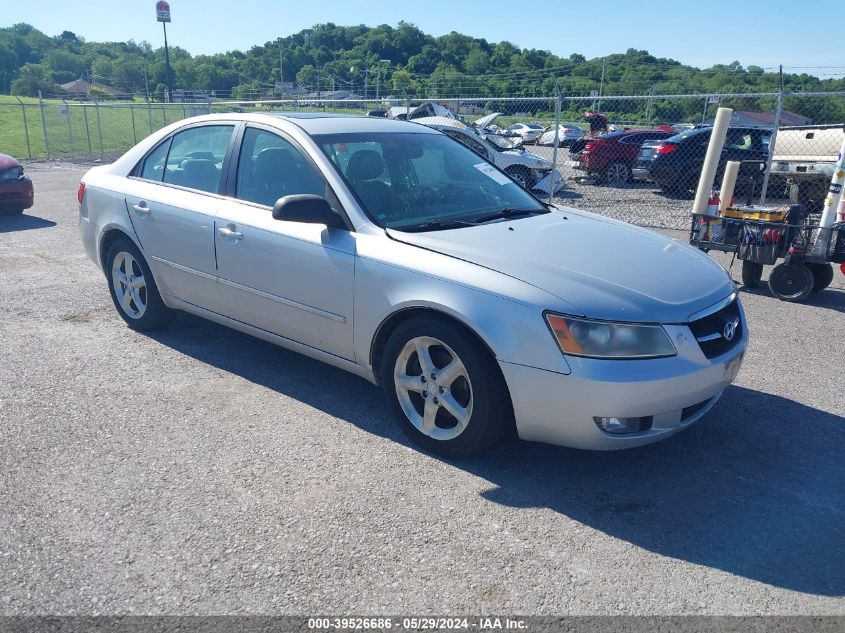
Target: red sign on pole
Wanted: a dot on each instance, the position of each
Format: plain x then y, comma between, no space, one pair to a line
162,11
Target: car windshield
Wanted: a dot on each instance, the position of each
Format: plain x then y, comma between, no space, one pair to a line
419,182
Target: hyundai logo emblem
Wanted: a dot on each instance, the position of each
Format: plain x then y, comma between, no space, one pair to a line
730,330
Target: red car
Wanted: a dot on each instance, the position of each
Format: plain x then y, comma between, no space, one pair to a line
16,191
611,156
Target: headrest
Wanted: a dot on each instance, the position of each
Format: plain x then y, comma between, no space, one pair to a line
271,163
365,164
197,166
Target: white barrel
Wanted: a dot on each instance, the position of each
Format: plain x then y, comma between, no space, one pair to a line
831,203
728,185
711,160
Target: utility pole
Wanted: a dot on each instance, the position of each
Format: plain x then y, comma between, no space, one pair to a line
601,83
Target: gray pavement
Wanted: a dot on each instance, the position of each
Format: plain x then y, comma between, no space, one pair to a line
200,471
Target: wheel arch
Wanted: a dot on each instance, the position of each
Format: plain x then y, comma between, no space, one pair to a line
394,320
108,237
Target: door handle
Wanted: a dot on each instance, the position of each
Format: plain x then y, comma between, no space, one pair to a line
141,208
230,232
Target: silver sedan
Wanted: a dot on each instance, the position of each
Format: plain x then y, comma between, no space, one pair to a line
389,250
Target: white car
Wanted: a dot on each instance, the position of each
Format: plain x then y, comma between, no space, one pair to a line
388,250
565,134
528,132
528,169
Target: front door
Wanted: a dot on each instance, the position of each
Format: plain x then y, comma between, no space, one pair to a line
289,278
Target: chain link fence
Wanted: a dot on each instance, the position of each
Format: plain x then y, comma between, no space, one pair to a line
634,157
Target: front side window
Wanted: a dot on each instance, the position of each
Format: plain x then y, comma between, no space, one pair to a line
195,159
412,181
270,167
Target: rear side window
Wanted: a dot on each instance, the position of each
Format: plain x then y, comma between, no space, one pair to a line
196,157
153,168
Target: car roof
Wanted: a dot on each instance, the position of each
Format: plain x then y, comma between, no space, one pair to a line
315,123
706,130
335,123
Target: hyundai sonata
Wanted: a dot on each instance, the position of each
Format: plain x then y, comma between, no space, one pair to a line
387,249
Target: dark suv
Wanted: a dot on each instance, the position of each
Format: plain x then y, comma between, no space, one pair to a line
676,162
611,156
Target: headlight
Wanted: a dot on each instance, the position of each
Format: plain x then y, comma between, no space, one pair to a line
604,339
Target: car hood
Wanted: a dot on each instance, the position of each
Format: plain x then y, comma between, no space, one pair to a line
486,120
604,269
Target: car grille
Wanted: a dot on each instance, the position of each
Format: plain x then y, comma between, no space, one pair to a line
710,331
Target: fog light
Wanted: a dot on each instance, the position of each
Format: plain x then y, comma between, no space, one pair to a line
618,426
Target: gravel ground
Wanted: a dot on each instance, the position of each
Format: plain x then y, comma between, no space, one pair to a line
200,471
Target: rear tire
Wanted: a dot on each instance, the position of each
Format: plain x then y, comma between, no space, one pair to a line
12,210
444,388
616,174
133,289
822,275
751,274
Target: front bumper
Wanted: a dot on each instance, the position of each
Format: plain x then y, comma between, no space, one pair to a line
677,391
17,194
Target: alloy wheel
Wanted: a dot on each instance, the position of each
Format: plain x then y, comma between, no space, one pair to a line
433,388
130,286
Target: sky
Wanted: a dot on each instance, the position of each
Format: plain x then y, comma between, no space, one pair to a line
803,36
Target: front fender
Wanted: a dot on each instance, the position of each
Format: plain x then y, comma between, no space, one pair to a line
515,332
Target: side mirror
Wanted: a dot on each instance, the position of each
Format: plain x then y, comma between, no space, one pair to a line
309,209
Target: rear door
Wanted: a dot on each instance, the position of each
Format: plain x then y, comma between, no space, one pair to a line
171,200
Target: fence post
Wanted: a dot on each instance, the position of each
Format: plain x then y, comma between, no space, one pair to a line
706,103
87,129
150,113
25,129
99,125
558,108
43,125
772,140
407,100
132,114
69,129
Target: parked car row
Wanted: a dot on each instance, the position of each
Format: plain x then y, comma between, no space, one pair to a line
674,163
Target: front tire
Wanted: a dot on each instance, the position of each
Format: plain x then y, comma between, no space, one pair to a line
522,175
444,388
133,289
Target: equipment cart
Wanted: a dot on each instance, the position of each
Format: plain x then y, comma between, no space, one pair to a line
762,237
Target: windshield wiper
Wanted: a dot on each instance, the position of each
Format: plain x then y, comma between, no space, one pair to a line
436,225
508,212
